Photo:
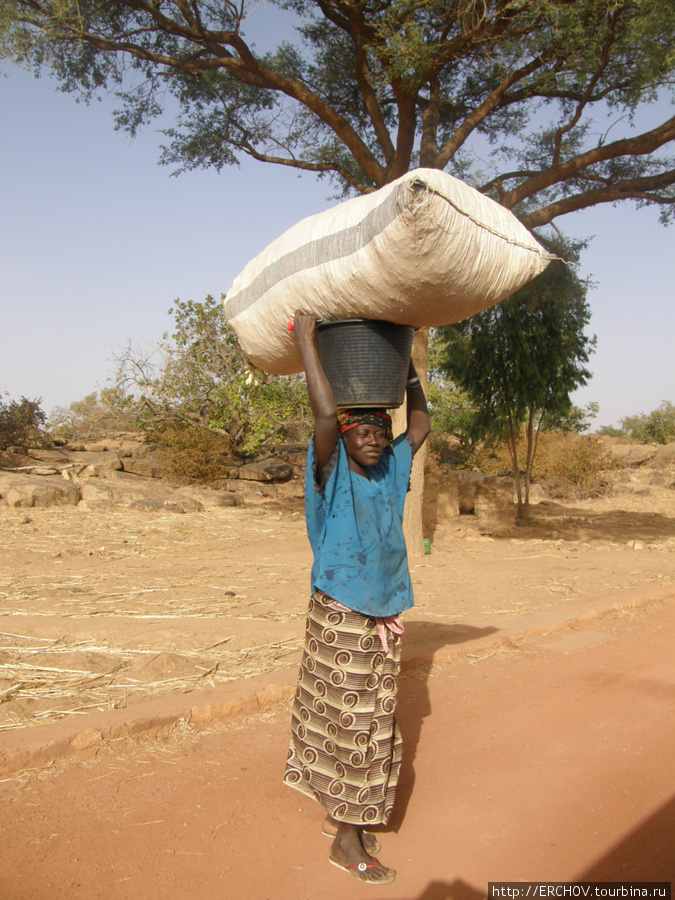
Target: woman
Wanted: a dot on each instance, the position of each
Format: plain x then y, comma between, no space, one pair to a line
345,748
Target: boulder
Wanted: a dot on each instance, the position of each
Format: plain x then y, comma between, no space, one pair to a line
146,467
209,498
127,491
38,491
271,469
468,485
52,457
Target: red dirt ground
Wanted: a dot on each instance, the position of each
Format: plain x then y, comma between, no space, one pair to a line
548,761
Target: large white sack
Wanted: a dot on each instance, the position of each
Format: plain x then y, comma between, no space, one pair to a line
426,249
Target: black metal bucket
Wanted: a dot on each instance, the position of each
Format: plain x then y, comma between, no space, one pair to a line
365,360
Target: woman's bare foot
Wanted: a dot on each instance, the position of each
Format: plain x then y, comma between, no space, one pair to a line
348,852
329,827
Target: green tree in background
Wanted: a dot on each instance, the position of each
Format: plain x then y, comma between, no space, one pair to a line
534,102
21,424
199,379
519,361
656,427
94,416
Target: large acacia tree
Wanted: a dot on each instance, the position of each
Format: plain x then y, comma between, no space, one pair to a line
363,90
534,102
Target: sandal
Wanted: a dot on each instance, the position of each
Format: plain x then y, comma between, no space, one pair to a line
360,871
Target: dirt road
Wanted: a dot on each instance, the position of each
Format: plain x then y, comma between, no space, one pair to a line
551,760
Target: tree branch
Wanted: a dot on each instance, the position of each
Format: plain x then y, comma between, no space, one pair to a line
636,146
634,189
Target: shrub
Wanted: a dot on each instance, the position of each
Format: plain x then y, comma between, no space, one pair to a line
21,424
193,455
574,467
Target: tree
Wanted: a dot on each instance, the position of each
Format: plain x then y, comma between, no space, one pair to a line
656,427
21,424
198,378
519,361
533,102
452,411
367,90
95,415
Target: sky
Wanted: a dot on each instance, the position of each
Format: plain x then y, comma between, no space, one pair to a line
97,240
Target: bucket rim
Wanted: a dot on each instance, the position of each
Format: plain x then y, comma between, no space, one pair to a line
320,323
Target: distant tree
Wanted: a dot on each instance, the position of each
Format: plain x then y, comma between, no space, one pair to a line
519,361
656,427
452,411
199,378
95,415
21,424
577,419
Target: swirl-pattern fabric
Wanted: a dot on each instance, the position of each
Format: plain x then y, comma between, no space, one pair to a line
345,748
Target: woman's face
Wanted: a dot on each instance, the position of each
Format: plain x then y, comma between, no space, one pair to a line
364,445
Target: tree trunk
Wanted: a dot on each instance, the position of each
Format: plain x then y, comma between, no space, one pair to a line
412,515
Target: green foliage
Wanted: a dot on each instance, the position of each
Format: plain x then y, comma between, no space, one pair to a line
94,416
21,424
576,418
452,412
519,361
203,381
657,427
540,94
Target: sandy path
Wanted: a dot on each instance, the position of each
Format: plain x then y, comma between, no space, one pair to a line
103,611
551,761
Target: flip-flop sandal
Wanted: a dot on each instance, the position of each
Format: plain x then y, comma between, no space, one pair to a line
370,842
360,871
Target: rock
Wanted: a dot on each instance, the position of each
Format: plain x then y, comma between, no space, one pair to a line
11,460
146,467
123,490
468,483
182,505
98,447
664,458
52,457
272,469
111,463
209,498
29,491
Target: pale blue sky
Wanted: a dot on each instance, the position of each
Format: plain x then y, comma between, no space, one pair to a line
97,239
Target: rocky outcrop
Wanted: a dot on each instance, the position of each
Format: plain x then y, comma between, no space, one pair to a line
38,491
127,473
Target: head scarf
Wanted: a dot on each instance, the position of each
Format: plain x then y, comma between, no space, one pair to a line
350,418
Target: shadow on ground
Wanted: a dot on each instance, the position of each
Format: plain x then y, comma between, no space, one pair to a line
646,854
552,520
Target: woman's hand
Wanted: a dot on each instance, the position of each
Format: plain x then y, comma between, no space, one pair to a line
304,328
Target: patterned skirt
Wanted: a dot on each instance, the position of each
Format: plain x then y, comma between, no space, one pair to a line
345,749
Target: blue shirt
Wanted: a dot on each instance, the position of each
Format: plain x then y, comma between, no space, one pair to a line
355,531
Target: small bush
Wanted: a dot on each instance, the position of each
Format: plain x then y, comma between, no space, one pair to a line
194,455
21,424
574,467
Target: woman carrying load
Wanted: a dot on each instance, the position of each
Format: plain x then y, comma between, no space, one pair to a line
345,748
